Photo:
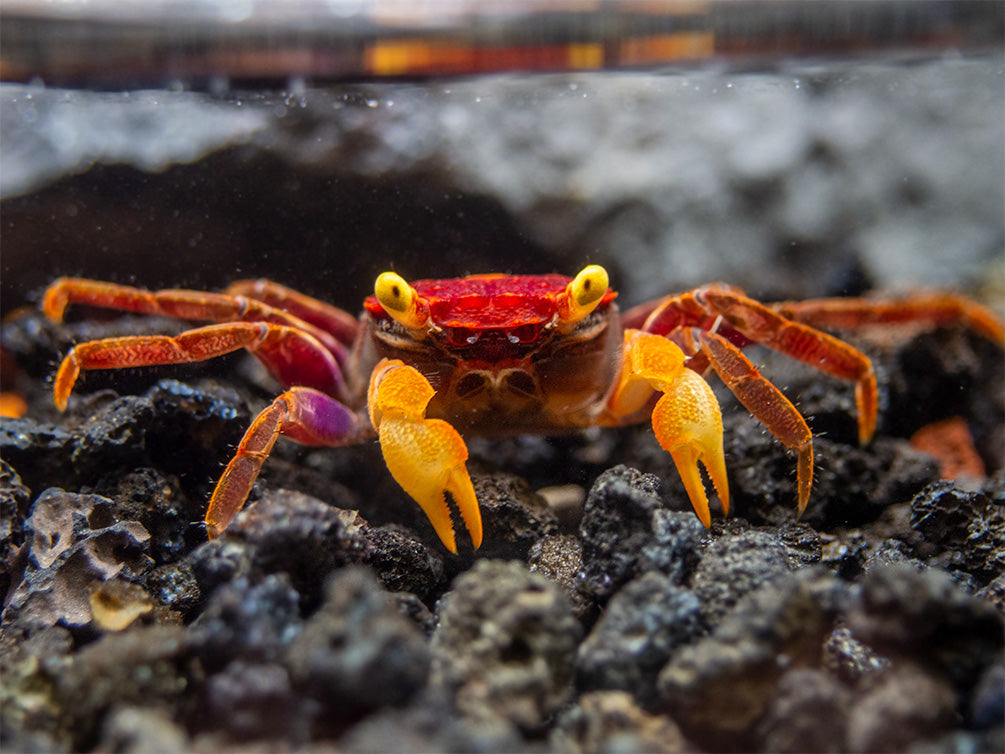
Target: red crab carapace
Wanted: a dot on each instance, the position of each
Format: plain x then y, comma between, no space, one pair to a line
500,354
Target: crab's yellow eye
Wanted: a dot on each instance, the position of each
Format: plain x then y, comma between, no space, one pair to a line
583,294
400,300
589,286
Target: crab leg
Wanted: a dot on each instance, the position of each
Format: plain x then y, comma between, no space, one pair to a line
686,418
331,319
807,344
291,355
763,400
183,304
304,415
425,456
926,309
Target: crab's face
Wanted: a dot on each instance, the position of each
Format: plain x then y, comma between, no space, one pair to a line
503,352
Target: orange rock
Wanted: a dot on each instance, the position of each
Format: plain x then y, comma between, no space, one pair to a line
950,442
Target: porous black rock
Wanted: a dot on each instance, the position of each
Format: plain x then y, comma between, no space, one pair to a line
301,536
738,562
807,712
148,664
505,644
626,530
15,499
902,705
179,429
559,557
923,616
718,688
403,563
357,653
430,723
246,621
640,629
251,701
966,522
514,517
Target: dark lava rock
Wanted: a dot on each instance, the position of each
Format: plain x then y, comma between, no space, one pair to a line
559,557
431,723
40,452
610,721
300,536
995,593
904,705
254,702
735,565
642,626
246,621
849,659
31,718
217,562
176,428
174,585
157,501
948,372
851,485
626,530
413,608
74,542
987,709
807,712
923,617
403,563
357,653
145,664
514,517
968,523
505,644
719,688
15,500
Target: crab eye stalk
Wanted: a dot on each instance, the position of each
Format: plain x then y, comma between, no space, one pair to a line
582,295
401,301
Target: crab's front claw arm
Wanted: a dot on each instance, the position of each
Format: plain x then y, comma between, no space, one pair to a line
425,456
686,419
688,425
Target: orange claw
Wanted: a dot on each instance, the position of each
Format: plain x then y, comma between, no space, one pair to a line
686,419
425,456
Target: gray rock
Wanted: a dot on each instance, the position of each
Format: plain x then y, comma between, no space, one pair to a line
719,688
357,653
808,712
923,617
250,622
74,543
611,721
505,644
734,566
904,705
626,531
965,522
641,628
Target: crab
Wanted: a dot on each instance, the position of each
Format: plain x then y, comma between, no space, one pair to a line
494,354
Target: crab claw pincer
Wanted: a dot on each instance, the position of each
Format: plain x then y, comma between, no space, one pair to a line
425,456
686,419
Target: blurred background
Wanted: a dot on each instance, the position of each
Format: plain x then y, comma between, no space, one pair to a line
795,149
